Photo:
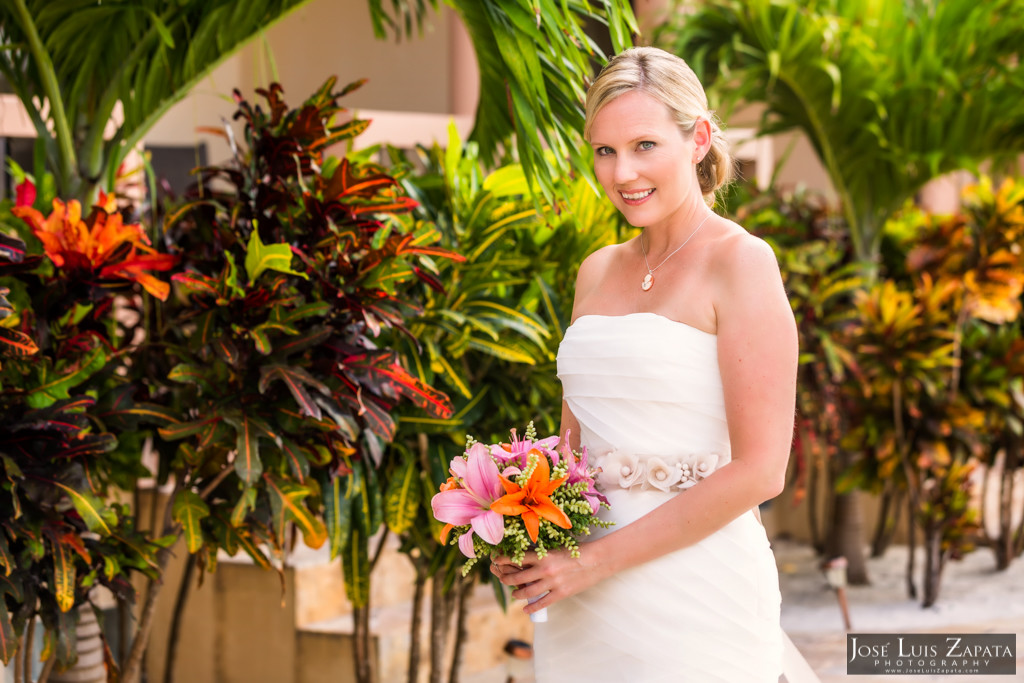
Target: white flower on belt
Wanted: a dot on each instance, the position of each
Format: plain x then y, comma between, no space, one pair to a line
693,468
660,475
626,470
621,469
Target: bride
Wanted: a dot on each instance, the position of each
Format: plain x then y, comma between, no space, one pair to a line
679,376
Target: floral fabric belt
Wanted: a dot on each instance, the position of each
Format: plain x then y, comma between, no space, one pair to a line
628,470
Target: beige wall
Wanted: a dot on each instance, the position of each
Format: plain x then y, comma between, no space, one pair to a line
324,38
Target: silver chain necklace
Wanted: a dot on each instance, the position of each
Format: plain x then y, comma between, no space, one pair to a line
649,278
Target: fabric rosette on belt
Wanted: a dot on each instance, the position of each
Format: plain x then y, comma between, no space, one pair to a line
680,472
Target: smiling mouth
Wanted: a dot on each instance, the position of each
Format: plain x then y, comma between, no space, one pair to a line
637,196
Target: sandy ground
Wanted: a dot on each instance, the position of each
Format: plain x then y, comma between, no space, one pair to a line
973,598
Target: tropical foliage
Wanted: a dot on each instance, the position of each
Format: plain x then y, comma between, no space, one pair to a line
854,76
535,57
489,339
905,376
259,380
294,263
152,54
62,533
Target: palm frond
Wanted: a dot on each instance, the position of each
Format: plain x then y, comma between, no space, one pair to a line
145,54
889,94
535,62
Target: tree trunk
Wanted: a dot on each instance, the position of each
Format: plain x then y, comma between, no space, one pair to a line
461,630
179,611
845,539
888,517
416,620
812,505
135,660
933,563
132,672
44,675
361,644
23,656
124,628
911,547
438,629
1004,542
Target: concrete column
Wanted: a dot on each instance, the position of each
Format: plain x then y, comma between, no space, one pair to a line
650,13
464,74
942,195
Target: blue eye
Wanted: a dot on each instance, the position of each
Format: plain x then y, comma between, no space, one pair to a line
646,145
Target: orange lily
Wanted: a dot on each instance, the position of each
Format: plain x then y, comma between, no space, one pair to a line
449,485
532,500
100,242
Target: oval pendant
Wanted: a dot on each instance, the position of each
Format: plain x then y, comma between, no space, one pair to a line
648,282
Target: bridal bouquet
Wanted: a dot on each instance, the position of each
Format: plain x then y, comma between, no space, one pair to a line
506,499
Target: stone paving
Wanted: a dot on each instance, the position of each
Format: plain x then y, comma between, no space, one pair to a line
974,598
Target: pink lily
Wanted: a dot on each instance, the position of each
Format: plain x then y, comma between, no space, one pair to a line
471,504
579,470
517,453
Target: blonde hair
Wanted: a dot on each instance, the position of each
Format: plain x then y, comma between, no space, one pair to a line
671,81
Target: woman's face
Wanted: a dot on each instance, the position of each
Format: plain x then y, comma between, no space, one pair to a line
643,160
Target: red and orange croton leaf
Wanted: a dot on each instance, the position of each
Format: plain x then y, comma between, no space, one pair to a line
102,243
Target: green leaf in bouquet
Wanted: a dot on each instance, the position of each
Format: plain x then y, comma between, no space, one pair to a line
281,314
261,340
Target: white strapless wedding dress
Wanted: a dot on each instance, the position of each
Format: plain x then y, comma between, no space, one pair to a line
647,393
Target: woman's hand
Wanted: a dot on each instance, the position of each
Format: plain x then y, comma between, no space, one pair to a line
557,574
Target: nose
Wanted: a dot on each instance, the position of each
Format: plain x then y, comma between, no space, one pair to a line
625,170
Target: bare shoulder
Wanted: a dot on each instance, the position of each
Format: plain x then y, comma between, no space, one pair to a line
741,255
742,264
747,280
594,267
593,278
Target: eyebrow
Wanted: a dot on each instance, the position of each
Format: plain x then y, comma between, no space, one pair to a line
640,138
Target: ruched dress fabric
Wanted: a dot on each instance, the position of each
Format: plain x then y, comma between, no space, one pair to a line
647,389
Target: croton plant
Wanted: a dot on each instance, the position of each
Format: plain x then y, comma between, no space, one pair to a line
254,369
270,379
61,534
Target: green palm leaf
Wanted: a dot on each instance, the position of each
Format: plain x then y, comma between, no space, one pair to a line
83,57
889,94
535,59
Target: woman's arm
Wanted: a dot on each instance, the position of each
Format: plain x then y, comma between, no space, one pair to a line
757,349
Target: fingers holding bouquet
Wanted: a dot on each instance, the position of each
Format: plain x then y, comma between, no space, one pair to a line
518,500
544,581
